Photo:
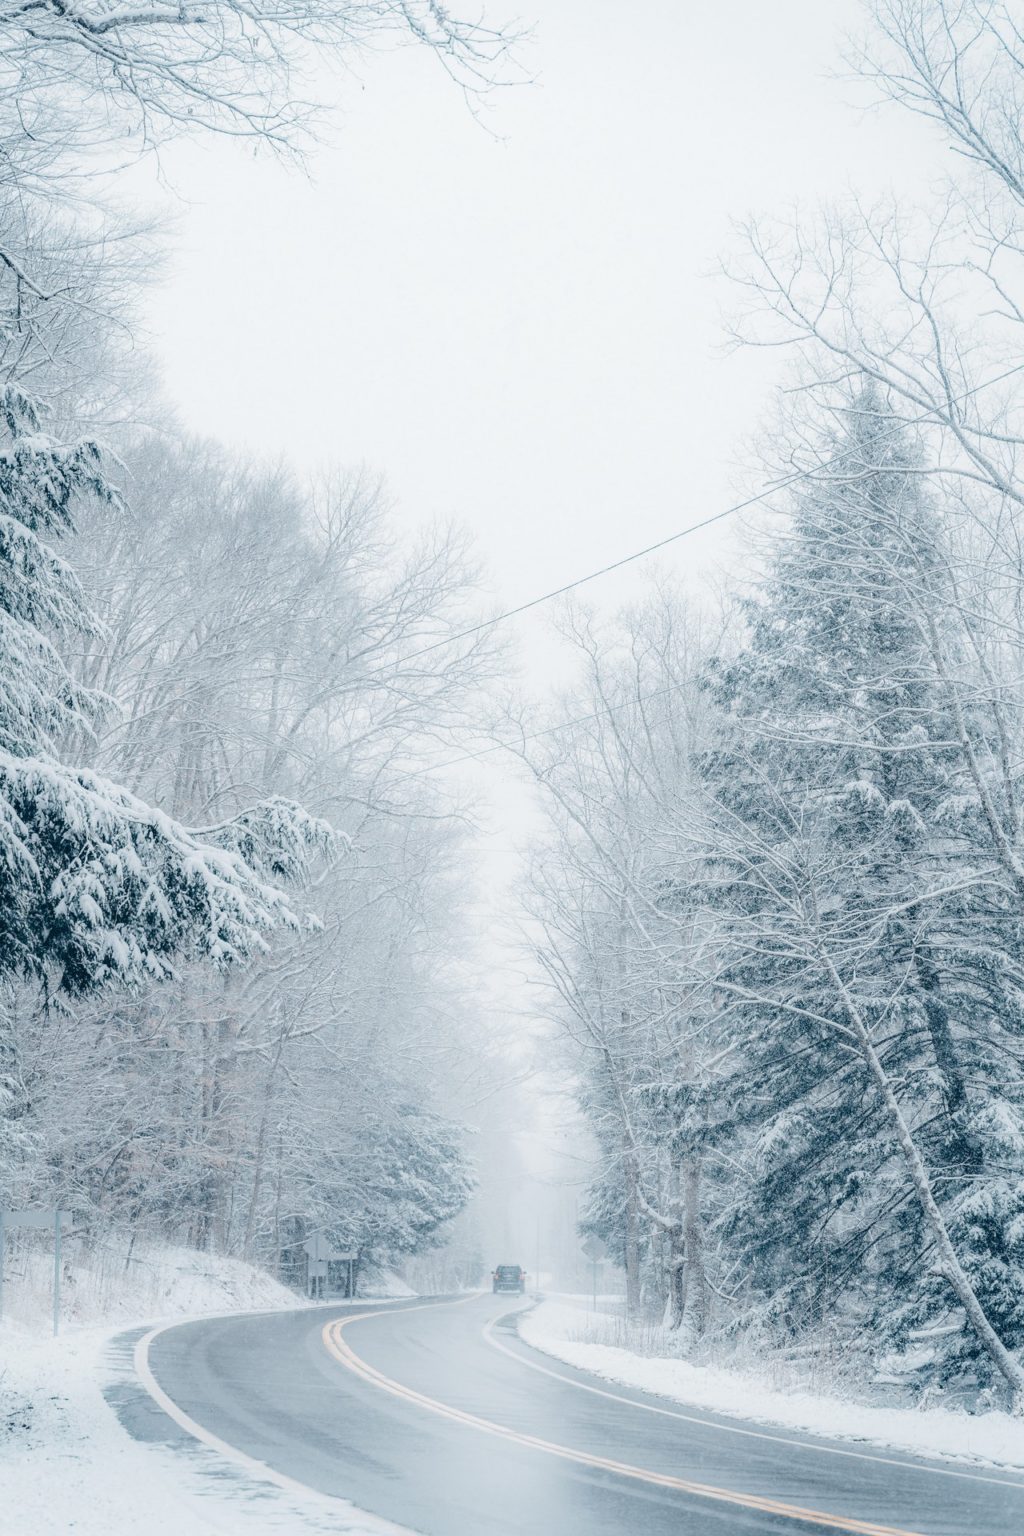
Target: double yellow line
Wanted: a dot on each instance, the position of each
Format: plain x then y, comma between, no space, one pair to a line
342,1351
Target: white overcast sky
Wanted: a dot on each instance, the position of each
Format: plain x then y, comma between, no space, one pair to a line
514,323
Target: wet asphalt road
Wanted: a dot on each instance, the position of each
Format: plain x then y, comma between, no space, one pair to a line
269,1386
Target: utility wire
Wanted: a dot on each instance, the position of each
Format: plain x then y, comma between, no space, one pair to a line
716,517
597,714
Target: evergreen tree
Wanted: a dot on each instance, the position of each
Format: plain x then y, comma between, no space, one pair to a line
393,1181
851,876
94,883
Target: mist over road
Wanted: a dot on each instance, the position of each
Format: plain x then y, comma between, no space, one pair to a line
436,1416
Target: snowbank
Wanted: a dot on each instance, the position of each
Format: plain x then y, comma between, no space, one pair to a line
116,1281
67,1467
383,1285
577,1337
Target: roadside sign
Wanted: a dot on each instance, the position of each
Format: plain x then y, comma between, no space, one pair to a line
320,1254
39,1219
595,1251
34,1218
318,1247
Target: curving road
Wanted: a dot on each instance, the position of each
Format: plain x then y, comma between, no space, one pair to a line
436,1416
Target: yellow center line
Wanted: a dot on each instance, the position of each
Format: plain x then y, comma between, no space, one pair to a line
342,1351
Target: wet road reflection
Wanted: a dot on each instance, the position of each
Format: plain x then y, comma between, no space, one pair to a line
269,1386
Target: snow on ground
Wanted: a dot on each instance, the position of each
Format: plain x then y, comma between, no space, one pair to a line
383,1285
115,1280
581,1337
68,1467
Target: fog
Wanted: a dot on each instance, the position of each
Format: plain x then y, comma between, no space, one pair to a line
511,741
512,308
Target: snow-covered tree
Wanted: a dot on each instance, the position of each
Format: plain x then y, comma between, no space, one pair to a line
94,883
615,947
391,1183
867,940
179,669
257,637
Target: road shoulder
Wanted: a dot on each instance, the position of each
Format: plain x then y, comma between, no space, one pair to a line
581,1339
85,1448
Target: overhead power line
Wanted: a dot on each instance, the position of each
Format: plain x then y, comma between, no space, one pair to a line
706,522
740,506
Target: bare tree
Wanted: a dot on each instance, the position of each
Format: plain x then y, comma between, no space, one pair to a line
616,946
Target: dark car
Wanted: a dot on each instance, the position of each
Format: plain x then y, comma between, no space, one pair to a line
509,1277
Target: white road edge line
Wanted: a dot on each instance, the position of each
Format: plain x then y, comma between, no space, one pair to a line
735,1429
360,1519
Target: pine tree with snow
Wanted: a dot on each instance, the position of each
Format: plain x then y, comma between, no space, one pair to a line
95,884
861,923
388,1185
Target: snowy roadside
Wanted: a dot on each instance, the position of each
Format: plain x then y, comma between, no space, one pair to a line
67,1465
577,1336
149,1282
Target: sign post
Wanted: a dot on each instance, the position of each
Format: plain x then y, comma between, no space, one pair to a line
56,1219
320,1255
316,1270
56,1273
595,1251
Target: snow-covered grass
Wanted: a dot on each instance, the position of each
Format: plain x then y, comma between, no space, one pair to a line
596,1342
66,1463
114,1280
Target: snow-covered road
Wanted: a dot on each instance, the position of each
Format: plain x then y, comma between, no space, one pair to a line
437,1417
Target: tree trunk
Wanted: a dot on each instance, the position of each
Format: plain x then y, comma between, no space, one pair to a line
278,1264
676,1281
963,1149
694,1320
632,1233
261,1143
676,1243
211,1218
1008,1367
